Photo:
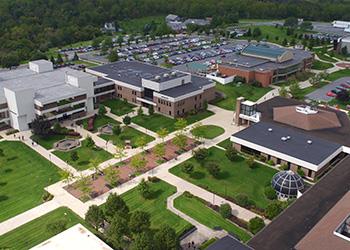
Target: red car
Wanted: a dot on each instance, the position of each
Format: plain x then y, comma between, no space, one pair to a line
331,94
345,85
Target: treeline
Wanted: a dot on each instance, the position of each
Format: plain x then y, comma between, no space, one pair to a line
29,27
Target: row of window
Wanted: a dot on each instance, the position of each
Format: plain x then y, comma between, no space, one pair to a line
164,102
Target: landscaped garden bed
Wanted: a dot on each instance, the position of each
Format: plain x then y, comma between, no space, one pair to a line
119,107
23,176
97,122
127,170
82,157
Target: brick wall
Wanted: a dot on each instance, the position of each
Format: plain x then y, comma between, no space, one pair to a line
126,93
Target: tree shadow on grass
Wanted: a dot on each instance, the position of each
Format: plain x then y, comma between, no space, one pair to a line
8,170
223,175
3,198
197,175
155,194
12,158
3,184
82,163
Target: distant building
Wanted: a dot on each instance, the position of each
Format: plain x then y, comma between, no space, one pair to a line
109,27
172,18
177,24
265,64
343,42
342,24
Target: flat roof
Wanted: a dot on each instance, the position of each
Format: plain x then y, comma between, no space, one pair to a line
321,236
264,50
76,237
58,92
269,135
286,230
338,135
228,242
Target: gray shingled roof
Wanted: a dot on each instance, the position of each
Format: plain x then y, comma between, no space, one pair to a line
297,146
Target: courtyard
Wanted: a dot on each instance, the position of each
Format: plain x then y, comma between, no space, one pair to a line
119,107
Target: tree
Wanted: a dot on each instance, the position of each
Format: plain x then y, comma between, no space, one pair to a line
115,206
59,59
213,169
166,239
249,32
140,111
127,120
102,110
2,152
285,42
94,216
56,227
231,153
40,126
111,176
113,56
75,57
270,193
52,59
120,40
89,142
74,156
225,210
180,124
94,165
143,241
9,60
251,162
138,162
119,151
283,91
84,185
343,96
139,222
243,201
144,189
256,32
180,140
273,209
187,168
151,110
66,176
201,154
256,224
159,150
162,133
117,130
291,22
141,142
295,90
116,231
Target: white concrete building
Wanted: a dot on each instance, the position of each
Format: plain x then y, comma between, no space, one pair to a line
39,90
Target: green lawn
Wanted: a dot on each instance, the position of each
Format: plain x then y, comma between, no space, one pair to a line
235,178
318,65
100,121
208,131
34,232
325,57
338,74
156,207
157,121
85,154
128,133
119,107
232,91
196,209
86,63
24,174
48,141
225,143
137,25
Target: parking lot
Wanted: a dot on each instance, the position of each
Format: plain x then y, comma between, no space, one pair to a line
321,93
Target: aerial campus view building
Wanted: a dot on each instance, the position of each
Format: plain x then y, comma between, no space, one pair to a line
265,63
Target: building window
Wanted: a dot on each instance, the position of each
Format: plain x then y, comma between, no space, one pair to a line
158,109
178,112
183,81
169,112
195,98
200,96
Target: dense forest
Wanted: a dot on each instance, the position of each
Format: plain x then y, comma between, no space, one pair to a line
29,27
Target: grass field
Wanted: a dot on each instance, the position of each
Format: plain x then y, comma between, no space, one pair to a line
318,65
100,121
157,121
85,154
156,207
208,131
137,25
48,141
87,64
232,91
196,209
34,232
225,143
338,74
235,177
119,107
24,174
128,133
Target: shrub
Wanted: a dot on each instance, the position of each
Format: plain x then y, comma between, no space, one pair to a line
140,111
225,210
243,201
117,130
188,194
270,162
90,142
187,168
102,110
231,153
144,189
262,158
213,169
74,156
46,196
150,110
127,120
270,193
153,179
301,172
256,224
251,162
56,227
273,209
201,154
284,167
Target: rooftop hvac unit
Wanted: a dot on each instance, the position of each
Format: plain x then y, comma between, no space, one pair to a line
165,75
157,78
309,142
269,129
173,73
284,138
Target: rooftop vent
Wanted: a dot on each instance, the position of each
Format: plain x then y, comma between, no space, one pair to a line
157,78
173,73
309,142
269,129
284,138
307,110
165,75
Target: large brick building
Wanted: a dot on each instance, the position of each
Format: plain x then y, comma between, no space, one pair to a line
172,93
265,64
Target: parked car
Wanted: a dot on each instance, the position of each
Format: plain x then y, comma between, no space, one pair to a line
345,85
331,94
336,91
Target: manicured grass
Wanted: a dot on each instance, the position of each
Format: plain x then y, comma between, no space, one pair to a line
156,206
100,121
196,209
35,232
325,57
235,177
338,74
157,121
137,25
318,65
208,131
225,143
86,63
85,154
119,107
48,141
128,133
232,91
23,176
